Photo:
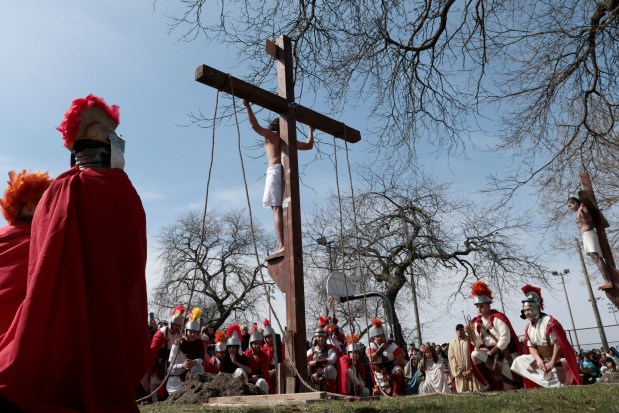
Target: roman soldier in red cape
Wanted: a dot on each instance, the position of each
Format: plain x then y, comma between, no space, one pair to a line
387,362
351,380
549,359
258,361
495,341
322,362
18,204
79,341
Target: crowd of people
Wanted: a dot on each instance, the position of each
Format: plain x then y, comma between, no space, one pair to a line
485,355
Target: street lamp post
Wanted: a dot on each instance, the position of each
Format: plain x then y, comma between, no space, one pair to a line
612,309
322,240
596,313
567,300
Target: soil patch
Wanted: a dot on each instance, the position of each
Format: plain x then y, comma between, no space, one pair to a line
198,388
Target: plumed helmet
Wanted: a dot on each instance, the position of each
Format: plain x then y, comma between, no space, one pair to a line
86,113
220,341
353,343
177,316
268,330
193,323
533,296
320,332
481,293
24,190
377,328
234,335
256,335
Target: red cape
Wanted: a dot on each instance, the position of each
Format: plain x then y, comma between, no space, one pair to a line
513,342
79,341
14,246
566,349
345,362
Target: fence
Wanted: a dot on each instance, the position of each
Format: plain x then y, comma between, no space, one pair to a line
589,337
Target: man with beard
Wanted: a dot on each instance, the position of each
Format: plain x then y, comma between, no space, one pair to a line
459,355
496,343
387,362
258,362
549,359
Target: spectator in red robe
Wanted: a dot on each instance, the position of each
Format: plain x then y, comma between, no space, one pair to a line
18,204
86,292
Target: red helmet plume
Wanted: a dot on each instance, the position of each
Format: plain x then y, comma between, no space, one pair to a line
480,288
72,121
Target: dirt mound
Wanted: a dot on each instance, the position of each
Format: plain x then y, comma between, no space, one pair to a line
198,388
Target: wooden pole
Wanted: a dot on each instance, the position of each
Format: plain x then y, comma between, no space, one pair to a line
594,303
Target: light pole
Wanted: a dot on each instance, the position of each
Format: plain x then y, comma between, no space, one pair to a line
612,309
322,240
594,304
567,300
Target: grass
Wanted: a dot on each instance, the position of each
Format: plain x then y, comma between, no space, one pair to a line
594,398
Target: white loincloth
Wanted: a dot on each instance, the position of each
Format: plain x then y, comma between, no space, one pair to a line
273,190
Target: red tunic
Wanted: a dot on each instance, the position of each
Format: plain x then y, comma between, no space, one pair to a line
259,366
14,246
346,363
79,341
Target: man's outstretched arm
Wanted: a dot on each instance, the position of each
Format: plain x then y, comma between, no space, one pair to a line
254,122
306,146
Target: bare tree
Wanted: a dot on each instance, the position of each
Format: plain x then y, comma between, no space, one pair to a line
415,228
220,274
440,69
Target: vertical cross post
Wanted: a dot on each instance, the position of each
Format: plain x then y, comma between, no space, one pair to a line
295,294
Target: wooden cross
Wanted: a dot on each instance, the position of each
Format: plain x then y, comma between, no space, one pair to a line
286,269
587,197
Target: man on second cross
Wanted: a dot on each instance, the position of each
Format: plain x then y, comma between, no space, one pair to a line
273,190
496,343
590,239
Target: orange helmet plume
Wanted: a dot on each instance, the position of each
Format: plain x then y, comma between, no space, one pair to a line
25,190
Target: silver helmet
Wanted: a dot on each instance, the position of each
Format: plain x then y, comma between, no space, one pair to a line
256,335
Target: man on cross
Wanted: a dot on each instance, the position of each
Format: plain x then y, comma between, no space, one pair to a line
273,190
590,240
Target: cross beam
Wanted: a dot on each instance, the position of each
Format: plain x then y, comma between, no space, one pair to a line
243,90
283,103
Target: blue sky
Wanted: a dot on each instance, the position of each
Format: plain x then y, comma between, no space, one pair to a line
120,50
